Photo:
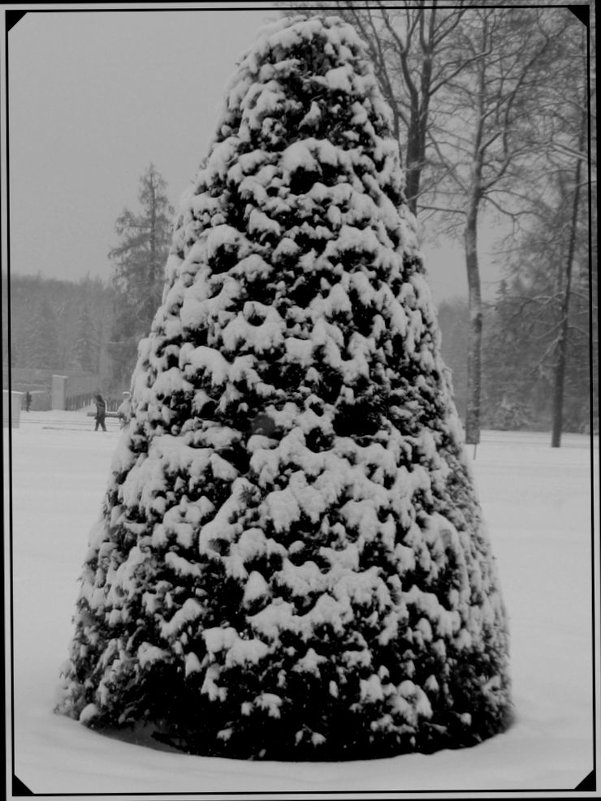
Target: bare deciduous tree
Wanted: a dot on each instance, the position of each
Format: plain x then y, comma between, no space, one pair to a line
410,45
486,135
410,48
477,112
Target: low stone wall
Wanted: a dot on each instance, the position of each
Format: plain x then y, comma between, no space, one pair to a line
41,401
53,389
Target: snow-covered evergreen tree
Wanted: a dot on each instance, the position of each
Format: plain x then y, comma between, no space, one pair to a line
291,561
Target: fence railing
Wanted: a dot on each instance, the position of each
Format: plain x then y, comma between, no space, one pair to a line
75,402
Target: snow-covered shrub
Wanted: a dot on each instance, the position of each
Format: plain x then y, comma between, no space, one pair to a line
291,561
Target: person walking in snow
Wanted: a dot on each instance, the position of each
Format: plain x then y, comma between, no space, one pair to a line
100,412
27,401
124,410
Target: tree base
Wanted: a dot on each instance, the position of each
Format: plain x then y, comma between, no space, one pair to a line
338,747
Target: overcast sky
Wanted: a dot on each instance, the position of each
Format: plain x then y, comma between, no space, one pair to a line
94,97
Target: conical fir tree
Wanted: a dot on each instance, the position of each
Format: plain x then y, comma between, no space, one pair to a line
291,561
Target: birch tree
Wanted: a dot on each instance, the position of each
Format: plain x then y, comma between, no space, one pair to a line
561,343
486,135
542,325
550,284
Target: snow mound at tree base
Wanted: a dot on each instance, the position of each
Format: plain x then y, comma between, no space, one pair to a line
311,727
339,750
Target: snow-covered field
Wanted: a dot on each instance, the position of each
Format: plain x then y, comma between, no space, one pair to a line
537,501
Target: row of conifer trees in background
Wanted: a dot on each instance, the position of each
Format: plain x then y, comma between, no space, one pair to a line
94,326
58,325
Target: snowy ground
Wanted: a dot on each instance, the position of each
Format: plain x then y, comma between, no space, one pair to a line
537,501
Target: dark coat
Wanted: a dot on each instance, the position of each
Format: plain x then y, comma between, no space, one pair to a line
100,408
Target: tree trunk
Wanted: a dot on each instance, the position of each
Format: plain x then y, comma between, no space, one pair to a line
474,349
474,352
562,342
413,163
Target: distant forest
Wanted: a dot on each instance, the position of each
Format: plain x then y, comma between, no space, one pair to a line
519,360
58,325
67,326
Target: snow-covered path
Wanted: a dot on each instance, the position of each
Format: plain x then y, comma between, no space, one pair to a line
537,504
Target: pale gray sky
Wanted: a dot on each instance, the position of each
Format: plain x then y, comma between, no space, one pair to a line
94,96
